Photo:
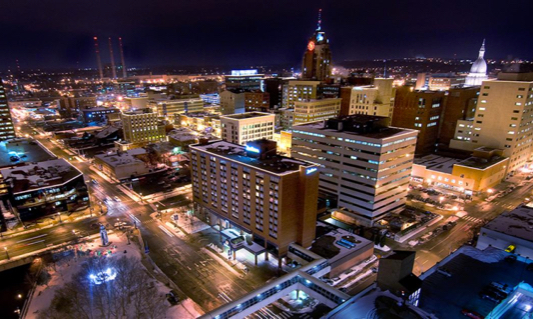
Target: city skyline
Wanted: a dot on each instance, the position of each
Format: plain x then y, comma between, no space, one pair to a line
213,33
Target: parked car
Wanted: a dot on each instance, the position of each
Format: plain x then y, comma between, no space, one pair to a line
471,314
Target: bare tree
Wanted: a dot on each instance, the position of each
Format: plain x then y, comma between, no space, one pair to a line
108,289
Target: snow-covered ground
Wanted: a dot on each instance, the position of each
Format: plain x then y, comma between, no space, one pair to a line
65,269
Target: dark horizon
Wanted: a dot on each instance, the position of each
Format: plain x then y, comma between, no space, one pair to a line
210,33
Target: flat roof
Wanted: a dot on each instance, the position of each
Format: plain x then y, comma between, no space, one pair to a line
276,164
437,163
33,150
39,175
470,270
327,244
122,157
514,223
247,115
382,134
482,163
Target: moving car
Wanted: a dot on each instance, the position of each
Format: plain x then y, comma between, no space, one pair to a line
116,199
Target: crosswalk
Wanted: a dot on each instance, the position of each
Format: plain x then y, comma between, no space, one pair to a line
472,219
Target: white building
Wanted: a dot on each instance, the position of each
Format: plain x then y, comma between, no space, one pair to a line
478,71
365,164
510,231
170,109
244,127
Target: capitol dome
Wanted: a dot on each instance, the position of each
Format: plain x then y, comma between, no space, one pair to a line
478,71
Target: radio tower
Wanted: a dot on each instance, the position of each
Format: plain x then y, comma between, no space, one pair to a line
113,70
122,58
98,61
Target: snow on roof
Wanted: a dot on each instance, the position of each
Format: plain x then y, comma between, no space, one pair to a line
517,223
41,174
122,158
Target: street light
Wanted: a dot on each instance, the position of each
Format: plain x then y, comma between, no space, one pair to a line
441,199
7,254
59,215
490,191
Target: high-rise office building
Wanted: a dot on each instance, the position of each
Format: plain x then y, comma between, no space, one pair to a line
256,191
421,111
142,127
316,64
245,127
376,99
7,130
503,119
274,87
363,163
315,110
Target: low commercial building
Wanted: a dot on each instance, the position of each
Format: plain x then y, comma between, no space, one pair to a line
45,188
171,108
484,169
123,164
376,99
315,110
258,192
256,101
510,232
232,101
241,128
142,127
201,122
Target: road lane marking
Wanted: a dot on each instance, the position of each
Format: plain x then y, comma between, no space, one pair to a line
165,231
35,242
32,238
135,219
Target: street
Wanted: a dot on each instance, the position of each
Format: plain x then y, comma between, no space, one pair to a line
199,276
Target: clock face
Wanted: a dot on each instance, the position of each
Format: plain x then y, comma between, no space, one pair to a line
311,46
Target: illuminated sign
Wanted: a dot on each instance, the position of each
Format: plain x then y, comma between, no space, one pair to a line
319,37
243,72
252,149
310,170
311,46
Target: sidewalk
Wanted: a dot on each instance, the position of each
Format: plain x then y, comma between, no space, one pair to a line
75,216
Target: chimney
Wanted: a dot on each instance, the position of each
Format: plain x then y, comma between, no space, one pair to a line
98,61
113,69
124,74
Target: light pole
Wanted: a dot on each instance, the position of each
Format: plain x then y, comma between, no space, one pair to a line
7,254
59,215
141,197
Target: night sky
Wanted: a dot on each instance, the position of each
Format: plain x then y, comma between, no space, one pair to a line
58,33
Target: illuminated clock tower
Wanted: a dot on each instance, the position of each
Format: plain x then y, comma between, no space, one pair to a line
316,63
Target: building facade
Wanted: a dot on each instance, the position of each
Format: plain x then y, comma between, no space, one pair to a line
315,110
245,127
421,111
502,119
141,127
364,163
232,102
7,130
171,108
376,99
256,101
459,104
257,191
